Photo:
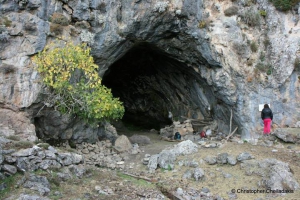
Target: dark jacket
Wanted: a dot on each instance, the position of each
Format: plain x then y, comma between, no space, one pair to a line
266,113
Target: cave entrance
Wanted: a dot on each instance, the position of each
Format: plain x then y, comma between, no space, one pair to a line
152,83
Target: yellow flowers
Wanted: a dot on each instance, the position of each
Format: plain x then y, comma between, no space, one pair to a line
72,74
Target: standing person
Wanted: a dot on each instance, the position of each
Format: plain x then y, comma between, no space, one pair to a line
267,117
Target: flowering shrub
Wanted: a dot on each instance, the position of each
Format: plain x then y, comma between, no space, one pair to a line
74,84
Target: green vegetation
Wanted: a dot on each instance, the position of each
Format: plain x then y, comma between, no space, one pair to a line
56,29
267,42
251,17
74,84
297,63
267,68
14,137
284,5
136,181
253,46
263,13
10,183
43,145
233,10
23,144
202,24
4,21
262,56
58,18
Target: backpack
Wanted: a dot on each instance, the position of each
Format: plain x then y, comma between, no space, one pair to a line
203,134
177,136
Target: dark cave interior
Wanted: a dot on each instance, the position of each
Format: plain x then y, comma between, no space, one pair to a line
151,84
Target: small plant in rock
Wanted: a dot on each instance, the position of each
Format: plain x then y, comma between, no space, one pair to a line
261,66
267,42
4,21
253,46
56,29
263,13
7,69
297,63
262,56
202,24
74,85
233,10
30,27
58,18
251,17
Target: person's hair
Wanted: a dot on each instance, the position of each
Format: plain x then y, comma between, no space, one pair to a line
266,106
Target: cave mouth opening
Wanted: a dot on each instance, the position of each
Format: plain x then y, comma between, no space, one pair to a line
151,84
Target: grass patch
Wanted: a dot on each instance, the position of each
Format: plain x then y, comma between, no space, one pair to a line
136,181
14,137
23,144
10,183
43,145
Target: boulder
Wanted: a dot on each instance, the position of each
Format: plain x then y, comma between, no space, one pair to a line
140,139
122,143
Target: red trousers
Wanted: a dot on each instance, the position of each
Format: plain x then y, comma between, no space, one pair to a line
267,126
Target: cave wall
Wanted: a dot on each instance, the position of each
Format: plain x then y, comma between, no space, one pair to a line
218,56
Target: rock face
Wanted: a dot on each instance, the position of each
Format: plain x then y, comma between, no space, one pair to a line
192,58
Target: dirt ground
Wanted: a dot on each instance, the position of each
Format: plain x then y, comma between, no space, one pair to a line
102,183
215,181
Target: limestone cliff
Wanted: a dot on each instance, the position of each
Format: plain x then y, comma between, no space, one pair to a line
195,58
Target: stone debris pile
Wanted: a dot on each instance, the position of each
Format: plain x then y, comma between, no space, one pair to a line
184,128
101,154
31,159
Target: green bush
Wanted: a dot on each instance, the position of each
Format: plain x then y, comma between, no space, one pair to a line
284,5
233,10
74,84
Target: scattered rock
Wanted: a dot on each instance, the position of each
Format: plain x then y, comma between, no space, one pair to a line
211,160
198,174
140,139
244,156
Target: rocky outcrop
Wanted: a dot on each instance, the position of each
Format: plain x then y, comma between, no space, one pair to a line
288,135
275,174
192,58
